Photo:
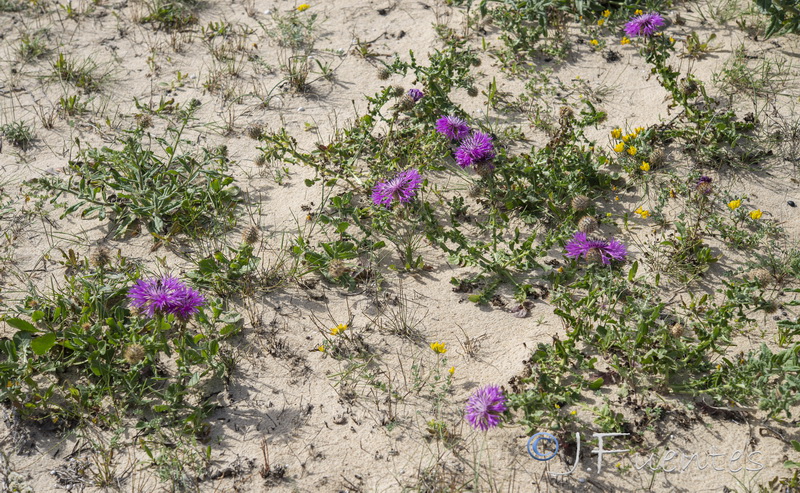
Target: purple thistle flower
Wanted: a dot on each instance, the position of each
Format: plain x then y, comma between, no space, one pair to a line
704,185
164,296
474,149
485,406
415,94
452,127
595,249
403,187
644,25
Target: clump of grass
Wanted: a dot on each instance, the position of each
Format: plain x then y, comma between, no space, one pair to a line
171,14
19,133
32,46
84,74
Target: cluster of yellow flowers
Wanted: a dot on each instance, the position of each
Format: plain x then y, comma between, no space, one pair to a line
338,329
644,213
754,214
624,139
438,347
302,7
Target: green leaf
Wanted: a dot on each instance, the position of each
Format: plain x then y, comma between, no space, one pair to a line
22,325
42,344
475,298
596,384
632,271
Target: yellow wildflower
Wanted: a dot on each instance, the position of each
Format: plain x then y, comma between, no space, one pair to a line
619,147
645,166
601,22
573,412
637,131
451,370
338,329
672,40
624,41
594,42
626,138
558,407
438,347
616,133
302,7
638,12
756,214
321,348
632,150
644,213
606,13
734,204
616,198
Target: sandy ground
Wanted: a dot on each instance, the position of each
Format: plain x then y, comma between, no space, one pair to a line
325,428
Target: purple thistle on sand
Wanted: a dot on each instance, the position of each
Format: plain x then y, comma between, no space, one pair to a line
644,25
402,188
452,127
603,250
485,406
415,94
474,149
164,296
704,185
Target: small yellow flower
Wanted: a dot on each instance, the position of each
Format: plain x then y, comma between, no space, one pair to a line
645,166
644,213
594,42
672,193
573,412
734,204
619,147
338,329
637,131
601,22
558,407
672,40
438,347
451,370
638,12
626,137
608,214
616,133
632,150
302,7
560,270
321,348
606,13
616,197
756,214
624,41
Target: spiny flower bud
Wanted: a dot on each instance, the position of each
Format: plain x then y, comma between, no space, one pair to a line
250,235
587,224
581,203
337,269
676,330
255,131
406,103
133,354
384,73
101,257
656,158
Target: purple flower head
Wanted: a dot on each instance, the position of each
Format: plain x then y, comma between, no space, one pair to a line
164,296
415,94
402,188
485,406
591,249
476,148
644,25
452,127
704,185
